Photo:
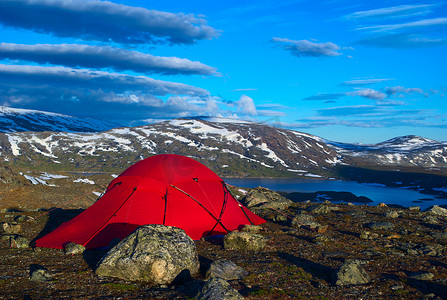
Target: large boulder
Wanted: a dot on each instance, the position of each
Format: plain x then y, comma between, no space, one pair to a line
153,253
264,198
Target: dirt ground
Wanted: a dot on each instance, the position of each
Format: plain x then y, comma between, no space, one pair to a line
297,263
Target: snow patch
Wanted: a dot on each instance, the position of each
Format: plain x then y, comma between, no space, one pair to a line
85,180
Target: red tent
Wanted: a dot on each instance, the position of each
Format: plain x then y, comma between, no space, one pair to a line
164,189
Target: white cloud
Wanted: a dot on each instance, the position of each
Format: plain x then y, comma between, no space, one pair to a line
246,105
368,93
400,11
368,81
104,21
75,55
303,48
68,78
410,25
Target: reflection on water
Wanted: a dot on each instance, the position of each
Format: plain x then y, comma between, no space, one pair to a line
376,193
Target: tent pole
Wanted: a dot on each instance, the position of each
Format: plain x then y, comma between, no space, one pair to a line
224,205
238,203
166,206
201,205
93,235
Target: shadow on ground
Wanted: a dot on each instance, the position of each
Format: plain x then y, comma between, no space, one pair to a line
56,218
317,270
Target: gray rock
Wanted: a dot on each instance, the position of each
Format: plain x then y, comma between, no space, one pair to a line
440,235
11,228
23,218
305,220
352,273
218,289
226,270
153,253
380,225
264,198
415,208
392,214
280,219
40,274
320,209
17,241
431,219
321,239
251,228
437,210
73,248
244,241
368,235
421,275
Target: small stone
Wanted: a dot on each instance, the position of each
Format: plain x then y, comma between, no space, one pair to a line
352,273
431,219
393,236
320,209
18,241
380,225
392,214
244,241
73,248
226,270
279,219
397,287
368,235
412,252
414,208
320,239
11,228
218,288
382,205
421,275
39,273
322,228
305,220
437,210
23,218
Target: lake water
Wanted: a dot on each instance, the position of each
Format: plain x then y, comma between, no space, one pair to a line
376,193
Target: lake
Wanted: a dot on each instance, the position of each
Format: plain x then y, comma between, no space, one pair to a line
377,193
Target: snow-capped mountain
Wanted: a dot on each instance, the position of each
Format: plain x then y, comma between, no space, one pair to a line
407,150
18,120
229,147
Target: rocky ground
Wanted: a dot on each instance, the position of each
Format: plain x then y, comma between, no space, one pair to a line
401,250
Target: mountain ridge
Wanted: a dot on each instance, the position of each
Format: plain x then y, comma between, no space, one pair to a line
231,147
22,120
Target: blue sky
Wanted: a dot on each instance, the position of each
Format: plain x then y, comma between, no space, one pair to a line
350,71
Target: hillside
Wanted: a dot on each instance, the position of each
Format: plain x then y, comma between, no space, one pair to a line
229,147
19,120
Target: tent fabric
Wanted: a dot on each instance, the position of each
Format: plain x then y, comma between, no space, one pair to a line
166,189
